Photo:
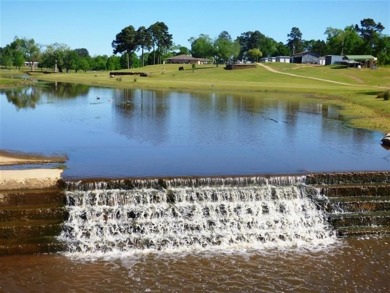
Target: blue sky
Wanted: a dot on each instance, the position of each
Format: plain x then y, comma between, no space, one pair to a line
93,24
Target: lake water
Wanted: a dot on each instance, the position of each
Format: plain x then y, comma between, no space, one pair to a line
115,133
144,133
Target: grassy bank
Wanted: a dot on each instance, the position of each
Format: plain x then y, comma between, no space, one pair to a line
355,90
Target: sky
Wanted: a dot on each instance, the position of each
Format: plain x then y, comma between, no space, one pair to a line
94,24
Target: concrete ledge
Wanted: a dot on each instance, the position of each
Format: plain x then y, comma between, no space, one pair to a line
29,179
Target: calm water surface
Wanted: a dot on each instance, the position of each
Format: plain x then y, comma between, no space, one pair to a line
121,133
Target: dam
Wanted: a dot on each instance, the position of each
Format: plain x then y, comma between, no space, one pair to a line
174,214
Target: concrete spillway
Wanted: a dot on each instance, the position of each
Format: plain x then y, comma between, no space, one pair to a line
194,213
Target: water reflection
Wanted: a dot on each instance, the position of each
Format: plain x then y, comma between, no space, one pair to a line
23,97
135,132
29,97
65,90
160,116
142,115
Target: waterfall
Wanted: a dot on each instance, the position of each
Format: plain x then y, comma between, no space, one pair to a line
139,215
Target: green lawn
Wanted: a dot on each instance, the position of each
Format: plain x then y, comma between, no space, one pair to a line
357,98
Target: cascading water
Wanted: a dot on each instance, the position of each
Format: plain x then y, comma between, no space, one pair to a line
192,214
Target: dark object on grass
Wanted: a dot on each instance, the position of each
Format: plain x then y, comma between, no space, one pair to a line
386,139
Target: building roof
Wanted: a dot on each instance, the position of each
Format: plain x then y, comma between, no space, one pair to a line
359,57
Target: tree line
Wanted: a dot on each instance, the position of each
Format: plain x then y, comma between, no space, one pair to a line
154,44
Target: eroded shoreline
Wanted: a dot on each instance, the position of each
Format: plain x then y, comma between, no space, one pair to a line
32,178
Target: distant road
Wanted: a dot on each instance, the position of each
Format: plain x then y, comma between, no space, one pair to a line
307,77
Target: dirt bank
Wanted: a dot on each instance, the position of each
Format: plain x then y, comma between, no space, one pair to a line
28,178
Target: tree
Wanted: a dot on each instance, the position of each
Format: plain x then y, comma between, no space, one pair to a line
6,57
70,60
384,50
282,49
29,49
255,54
369,31
99,62
82,52
82,59
180,50
342,42
125,41
315,46
83,65
161,39
225,49
113,63
144,41
252,40
294,41
54,56
202,47
18,59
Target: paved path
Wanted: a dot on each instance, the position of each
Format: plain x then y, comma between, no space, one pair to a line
307,77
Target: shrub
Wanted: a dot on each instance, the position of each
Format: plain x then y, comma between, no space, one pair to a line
385,95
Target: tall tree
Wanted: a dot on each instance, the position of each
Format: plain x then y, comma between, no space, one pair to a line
161,39
370,31
125,41
144,41
294,41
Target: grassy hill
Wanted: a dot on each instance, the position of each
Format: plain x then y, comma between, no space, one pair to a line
355,90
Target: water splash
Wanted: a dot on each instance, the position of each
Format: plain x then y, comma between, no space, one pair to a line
192,214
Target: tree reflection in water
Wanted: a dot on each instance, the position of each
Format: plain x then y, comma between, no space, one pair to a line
29,97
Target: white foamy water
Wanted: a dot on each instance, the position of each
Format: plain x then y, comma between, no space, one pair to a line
141,216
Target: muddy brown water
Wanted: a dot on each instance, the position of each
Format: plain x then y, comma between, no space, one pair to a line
352,265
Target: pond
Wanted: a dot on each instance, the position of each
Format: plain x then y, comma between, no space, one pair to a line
111,133
146,133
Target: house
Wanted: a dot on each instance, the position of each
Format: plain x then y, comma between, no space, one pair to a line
333,59
186,59
306,57
31,64
282,59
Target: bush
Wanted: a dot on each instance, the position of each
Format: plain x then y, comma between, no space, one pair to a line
385,95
